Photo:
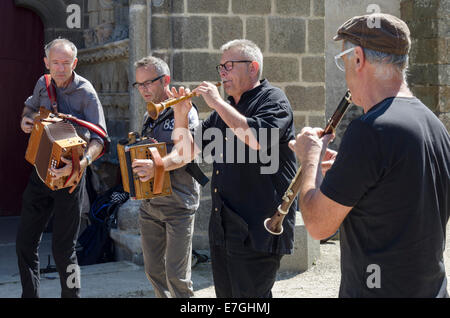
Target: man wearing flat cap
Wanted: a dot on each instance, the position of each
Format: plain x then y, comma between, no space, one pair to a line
389,186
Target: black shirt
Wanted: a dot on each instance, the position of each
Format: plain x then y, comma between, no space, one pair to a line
393,168
251,183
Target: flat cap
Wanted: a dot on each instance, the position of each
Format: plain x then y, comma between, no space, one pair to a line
379,31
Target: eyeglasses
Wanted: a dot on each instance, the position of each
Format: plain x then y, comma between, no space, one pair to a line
339,61
228,65
146,84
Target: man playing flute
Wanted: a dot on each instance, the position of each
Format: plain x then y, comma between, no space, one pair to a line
245,257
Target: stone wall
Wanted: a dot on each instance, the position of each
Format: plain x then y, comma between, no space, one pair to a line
429,73
55,16
188,35
103,60
337,12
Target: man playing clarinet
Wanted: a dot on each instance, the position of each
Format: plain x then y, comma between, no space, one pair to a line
389,187
245,257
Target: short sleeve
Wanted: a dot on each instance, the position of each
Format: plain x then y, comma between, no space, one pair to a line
269,117
93,112
39,97
357,166
193,119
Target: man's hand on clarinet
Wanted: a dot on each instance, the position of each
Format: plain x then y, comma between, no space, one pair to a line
144,168
328,160
309,147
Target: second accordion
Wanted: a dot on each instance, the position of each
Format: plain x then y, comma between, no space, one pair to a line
136,147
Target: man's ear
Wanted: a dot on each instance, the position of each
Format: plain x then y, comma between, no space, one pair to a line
360,59
166,80
47,63
254,67
75,61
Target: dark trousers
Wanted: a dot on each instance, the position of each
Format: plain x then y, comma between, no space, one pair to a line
243,273
238,270
39,203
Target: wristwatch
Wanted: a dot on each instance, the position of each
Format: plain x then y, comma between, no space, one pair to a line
88,158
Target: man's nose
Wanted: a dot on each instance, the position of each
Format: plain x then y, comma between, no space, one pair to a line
223,72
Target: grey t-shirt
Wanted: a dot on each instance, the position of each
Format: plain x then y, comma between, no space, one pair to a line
79,99
185,190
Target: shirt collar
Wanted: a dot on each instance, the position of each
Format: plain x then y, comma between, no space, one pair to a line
73,85
250,93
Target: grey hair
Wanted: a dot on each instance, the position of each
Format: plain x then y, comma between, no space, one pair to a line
248,49
160,65
400,62
60,41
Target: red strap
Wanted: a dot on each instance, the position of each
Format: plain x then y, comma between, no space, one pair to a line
76,173
92,127
51,92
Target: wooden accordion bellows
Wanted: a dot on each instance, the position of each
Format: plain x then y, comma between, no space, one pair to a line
136,147
51,139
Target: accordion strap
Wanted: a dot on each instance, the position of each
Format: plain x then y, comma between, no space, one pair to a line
158,182
92,127
77,173
51,91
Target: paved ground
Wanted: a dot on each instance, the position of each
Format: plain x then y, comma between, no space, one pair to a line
127,280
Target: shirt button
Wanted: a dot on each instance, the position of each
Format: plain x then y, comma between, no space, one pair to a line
215,189
216,209
217,171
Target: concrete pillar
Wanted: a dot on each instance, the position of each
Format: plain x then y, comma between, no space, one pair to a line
429,71
336,13
138,48
306,249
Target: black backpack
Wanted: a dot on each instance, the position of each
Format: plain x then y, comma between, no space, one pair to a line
94,245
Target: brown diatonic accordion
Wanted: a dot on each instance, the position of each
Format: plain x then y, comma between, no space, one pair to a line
136,147
51,139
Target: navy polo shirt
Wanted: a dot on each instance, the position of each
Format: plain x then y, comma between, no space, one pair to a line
249,184
185,190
